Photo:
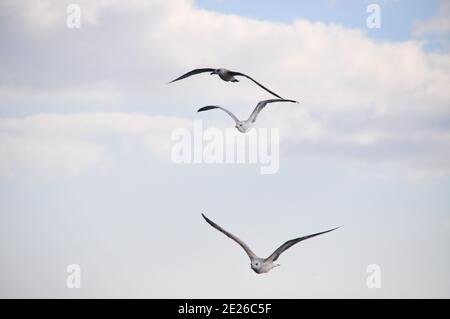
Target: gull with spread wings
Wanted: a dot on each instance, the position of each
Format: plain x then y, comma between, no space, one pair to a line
245,126
226,75
263,265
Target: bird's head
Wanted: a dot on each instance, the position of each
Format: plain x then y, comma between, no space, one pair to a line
256,265
241,127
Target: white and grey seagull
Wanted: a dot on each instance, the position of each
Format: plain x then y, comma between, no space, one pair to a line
263,265
226,75
245,126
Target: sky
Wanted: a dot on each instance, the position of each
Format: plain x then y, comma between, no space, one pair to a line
87,177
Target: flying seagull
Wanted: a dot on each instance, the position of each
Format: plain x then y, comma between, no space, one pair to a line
263,265
245,126
226,75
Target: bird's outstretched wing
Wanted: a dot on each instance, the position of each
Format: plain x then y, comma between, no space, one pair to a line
193,72
249,252
291,243
212,107
262,104
256,82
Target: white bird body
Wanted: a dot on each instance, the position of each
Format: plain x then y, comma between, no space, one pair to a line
226,75
263,265
260,266
246,125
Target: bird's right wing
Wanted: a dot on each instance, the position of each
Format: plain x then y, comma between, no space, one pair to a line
249,252
291,243
193,72
212,107
254,81
262,105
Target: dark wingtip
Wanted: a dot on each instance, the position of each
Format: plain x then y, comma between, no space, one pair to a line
206,218
288,100
172,81
206,108
336,228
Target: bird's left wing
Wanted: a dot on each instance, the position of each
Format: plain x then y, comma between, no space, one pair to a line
212,107
193,72
247,249
256,82
291,243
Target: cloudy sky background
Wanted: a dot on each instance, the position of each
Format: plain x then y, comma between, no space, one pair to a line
86,177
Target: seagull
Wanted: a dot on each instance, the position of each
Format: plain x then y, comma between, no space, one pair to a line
226,75
245,126
263,265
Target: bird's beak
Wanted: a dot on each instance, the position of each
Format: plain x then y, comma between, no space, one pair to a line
213,72
276,265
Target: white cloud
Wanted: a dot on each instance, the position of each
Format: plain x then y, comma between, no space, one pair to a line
438,24
94,93
361,99
54,144
47,156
